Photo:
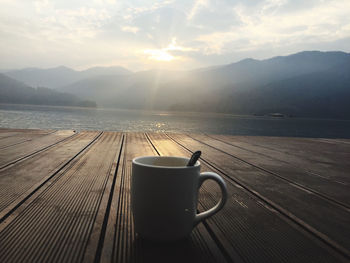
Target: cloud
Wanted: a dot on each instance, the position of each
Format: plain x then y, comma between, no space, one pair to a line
267,26
131,29
198,4
134,33
272,6
41,5
134,11
162,25
111,2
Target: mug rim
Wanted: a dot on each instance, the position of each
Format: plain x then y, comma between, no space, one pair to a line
136,162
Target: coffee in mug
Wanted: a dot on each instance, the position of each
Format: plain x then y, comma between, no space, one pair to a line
164,195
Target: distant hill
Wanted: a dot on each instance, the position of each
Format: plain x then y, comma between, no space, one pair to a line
319,94
133,91
251,72
53,77
60,76
13,91
323,94
100,71
308,84
305,84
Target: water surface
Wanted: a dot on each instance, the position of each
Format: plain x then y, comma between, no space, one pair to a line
48,117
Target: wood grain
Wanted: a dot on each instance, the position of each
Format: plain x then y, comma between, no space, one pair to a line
301,205
15,138
65,197
21,180
121,243
12,155
55,225
327,158
246,216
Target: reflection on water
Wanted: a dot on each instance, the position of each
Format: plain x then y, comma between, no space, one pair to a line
47,117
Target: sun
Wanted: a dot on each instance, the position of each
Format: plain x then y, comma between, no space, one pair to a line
165,54
159,54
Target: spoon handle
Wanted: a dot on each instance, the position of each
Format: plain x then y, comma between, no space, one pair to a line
195,156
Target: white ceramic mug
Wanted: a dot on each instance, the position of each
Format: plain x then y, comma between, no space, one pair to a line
164,194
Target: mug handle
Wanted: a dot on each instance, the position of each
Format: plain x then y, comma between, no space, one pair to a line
210,175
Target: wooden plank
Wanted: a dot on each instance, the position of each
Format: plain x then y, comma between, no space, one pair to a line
55,224
333,141
15,138
75,215
12,155
292,173
247,226
20,181
301,205
6,132
121,243
324,159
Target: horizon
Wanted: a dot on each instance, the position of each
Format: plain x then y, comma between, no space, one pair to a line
158,69
171,35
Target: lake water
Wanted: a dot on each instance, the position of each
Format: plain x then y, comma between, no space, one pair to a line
46,117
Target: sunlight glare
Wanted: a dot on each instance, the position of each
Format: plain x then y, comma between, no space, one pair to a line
159,55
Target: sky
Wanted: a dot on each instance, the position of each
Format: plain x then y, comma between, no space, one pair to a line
170,34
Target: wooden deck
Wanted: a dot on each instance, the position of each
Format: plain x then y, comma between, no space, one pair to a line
64,197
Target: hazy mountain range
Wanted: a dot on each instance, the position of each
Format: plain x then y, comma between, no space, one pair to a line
13,91
308,84
60,76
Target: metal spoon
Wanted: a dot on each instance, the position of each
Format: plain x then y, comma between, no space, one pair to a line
195,156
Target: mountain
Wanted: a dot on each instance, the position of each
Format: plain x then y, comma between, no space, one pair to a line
309,84
323,94
52,77
101,88
305,84
13,91
100,71
133,91
252,73
60,76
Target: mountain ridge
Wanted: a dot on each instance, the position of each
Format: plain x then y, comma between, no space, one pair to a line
16,92
61,75
248,86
